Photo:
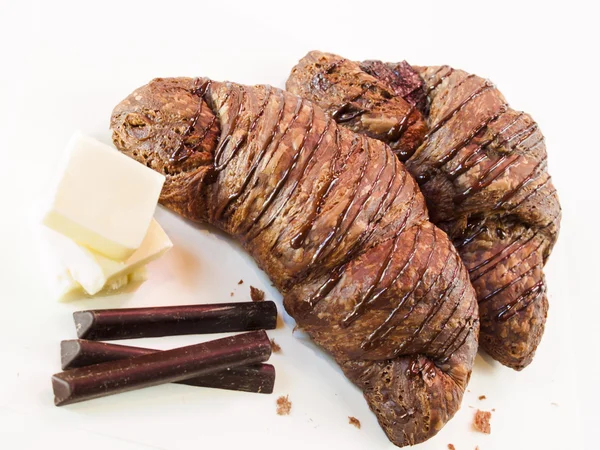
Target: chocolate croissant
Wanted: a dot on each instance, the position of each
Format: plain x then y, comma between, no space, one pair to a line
336,222
481,166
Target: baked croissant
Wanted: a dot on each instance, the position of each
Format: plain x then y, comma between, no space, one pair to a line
481,166
336,222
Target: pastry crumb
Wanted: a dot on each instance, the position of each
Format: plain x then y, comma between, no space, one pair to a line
354,421
231,294
482,397
554,404
275,346
241,282
284,405
256,294
451,447
481,421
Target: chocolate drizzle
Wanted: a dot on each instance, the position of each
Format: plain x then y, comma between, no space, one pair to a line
488,177
307,163
440,79
244,185
376,338
436,305
199,91
476,93
535,172
342,217
524,300
371,295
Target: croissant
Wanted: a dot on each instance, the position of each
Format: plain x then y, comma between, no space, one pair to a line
481,166
336,222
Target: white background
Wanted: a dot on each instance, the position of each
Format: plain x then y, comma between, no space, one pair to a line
64,65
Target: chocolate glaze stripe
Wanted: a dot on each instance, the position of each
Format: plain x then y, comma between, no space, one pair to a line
441,79
343,216
476,93
534,192
199,91
281,182
376,338
488,177
360,208
366,233
418,329
468,329
523,134
449,155
269,143
525,299
264,149
233,197
359,307
535,172
321,195
307,132
226,135
336,274
396,133
446,350
323,192
464,166
466,240
437,305
445,322
270,221
374,296
512,282
259,378
168,366
501,255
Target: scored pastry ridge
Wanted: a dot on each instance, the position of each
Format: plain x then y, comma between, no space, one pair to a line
336,222
482,168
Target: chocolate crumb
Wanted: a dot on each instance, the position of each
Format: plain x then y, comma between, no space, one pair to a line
275,346
493,409
482,397
241,282
354,421
256,294
451,447
283,406
481,421
231,294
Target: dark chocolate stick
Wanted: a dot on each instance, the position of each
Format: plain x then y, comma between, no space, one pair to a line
131,323
258,378
169,366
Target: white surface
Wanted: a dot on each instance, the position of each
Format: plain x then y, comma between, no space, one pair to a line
103,199
66,64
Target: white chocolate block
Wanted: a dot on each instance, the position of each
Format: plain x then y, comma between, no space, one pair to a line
103,200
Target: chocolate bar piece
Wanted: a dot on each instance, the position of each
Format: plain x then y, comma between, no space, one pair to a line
168,366
130,323
258,378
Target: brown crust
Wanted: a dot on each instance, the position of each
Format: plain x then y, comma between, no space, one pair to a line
354,421
481,421
256,294
361,102
341,229
483,173
284,406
